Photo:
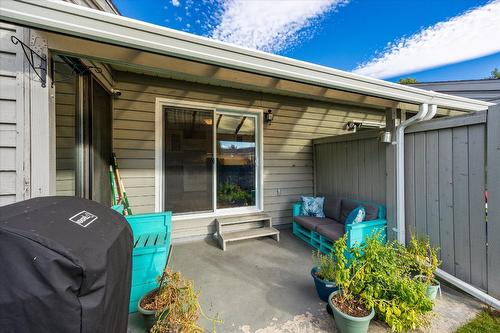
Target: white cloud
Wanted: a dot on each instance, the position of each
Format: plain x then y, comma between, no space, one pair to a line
474,34
270,25
176,3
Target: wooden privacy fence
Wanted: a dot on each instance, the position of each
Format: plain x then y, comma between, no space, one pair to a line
450,163
351,166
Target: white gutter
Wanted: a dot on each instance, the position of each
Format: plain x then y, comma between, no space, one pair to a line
73,20
423,114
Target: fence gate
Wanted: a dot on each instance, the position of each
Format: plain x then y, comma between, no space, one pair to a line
451,166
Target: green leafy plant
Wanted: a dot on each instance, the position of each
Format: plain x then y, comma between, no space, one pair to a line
231,193
376,274
399,300
495,74
325,264
349,276
421,257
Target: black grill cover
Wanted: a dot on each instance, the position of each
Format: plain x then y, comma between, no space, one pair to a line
65,266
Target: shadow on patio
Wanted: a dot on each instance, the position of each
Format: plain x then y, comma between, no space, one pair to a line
265,287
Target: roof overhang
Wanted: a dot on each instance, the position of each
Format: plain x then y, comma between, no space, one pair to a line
95,25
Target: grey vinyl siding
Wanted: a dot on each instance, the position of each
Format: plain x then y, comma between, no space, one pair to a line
65,86
11,116
288,163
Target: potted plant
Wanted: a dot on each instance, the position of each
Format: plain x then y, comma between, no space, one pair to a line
323,274
173,307
386,285
349,310
423,262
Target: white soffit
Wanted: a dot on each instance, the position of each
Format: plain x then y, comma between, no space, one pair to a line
92,24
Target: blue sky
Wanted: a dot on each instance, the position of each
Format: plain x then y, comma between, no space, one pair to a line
429,40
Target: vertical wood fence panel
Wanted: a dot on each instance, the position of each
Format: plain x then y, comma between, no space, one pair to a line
351,166
461,202
411,225
445,168
446,201
493,181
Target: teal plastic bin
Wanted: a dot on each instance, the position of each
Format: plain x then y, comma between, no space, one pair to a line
152,239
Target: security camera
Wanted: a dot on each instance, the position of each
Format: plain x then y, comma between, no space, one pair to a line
116,93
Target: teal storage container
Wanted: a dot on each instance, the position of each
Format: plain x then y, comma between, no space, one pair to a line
152,239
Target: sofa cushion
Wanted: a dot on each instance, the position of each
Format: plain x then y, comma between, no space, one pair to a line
357,215
348,205
311,222
312,206
332,231
331,207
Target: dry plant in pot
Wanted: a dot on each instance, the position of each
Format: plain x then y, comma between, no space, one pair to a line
175,306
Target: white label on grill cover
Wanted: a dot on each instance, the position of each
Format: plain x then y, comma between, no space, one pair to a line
83,218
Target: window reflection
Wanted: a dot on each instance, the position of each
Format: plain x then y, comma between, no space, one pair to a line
235,161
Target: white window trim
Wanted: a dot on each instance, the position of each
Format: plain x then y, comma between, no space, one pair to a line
159,155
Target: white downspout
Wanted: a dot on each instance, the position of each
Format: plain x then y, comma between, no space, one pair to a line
423,114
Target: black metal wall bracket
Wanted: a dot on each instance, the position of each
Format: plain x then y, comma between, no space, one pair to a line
41,69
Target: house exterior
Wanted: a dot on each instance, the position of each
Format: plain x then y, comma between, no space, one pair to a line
187,117
487,90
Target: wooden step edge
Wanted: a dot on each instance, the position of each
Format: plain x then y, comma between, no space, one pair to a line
249,234
248,220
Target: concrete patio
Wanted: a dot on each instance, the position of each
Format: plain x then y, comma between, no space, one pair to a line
265,287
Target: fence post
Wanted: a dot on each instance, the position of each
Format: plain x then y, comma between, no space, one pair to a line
493,186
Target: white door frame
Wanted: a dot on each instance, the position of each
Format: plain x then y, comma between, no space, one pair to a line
160,154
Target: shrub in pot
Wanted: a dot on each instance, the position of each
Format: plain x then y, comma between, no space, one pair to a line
350,312
375,276
173,307
422,260
398,299
323,274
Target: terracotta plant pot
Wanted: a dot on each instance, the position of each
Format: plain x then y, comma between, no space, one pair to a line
323,287
346,323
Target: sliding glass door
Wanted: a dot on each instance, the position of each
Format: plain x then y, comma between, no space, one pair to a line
83,132
188,160
210,160
235,161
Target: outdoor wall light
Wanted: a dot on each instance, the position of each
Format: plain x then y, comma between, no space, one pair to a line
269,116
385,137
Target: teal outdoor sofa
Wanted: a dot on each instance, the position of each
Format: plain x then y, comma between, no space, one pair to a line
321,232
